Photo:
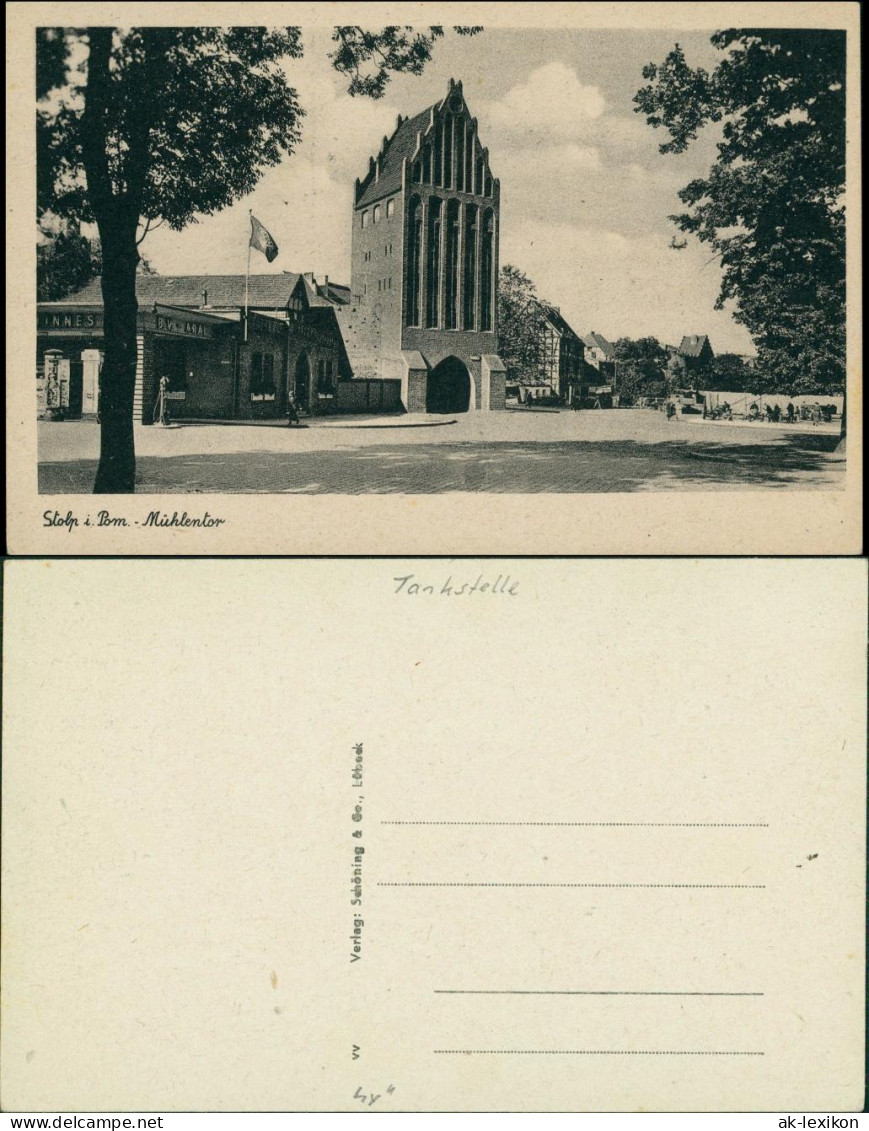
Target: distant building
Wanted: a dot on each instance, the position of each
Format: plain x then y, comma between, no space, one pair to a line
562,361
688,359
601,355
191,330
424,267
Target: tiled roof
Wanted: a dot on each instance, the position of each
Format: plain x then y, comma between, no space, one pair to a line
270,292
558,321
692,344
337,292
402,144
598,340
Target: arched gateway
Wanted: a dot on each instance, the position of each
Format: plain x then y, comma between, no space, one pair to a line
449,387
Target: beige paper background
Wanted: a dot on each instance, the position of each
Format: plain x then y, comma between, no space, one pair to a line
177,835
762,522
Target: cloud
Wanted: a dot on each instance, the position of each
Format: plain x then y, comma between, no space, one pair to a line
585,199
306,210
622,285
552,102
306,202
560,123
524,166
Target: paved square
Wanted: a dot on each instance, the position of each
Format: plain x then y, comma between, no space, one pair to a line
517,451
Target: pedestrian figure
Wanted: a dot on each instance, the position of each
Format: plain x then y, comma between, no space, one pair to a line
790,412
292,412
163,401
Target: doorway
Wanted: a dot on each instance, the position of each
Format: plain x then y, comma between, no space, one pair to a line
302,384
448,388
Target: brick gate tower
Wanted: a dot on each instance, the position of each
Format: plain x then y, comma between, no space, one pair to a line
424,288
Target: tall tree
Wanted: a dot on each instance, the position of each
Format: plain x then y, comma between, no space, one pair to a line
771,207
641,368
521,325
728,371
65,262
145,126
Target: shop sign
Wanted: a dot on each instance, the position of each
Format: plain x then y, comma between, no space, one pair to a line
188,327
69,320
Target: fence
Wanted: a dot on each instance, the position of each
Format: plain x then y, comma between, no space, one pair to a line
741,402
367,395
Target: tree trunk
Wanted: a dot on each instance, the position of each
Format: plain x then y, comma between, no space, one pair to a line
841,446
116,473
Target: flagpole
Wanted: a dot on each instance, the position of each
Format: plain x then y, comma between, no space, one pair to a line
247,271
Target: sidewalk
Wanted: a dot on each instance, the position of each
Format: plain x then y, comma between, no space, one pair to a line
831,429
503,452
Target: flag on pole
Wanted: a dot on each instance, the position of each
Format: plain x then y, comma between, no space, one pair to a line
261,239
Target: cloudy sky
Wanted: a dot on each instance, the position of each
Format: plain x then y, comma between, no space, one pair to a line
585,194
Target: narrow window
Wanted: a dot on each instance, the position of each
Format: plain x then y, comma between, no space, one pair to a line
390,208
269,389
414,261
478,183
469,159
437,172
460,154
256,377
448,152
452,265
376,214
470,267
433,267
365,219
426,165
487,263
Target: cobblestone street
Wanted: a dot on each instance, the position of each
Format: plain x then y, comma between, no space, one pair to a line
517,451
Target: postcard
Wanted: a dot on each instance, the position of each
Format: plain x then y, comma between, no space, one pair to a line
434,835
573,279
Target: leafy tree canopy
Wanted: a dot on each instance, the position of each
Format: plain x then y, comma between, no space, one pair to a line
641,367
371,57
145,126
521,324
771,207
181,120
730,372
65,262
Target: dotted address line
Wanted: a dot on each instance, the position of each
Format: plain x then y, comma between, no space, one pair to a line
432,884
594,1052
603,824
